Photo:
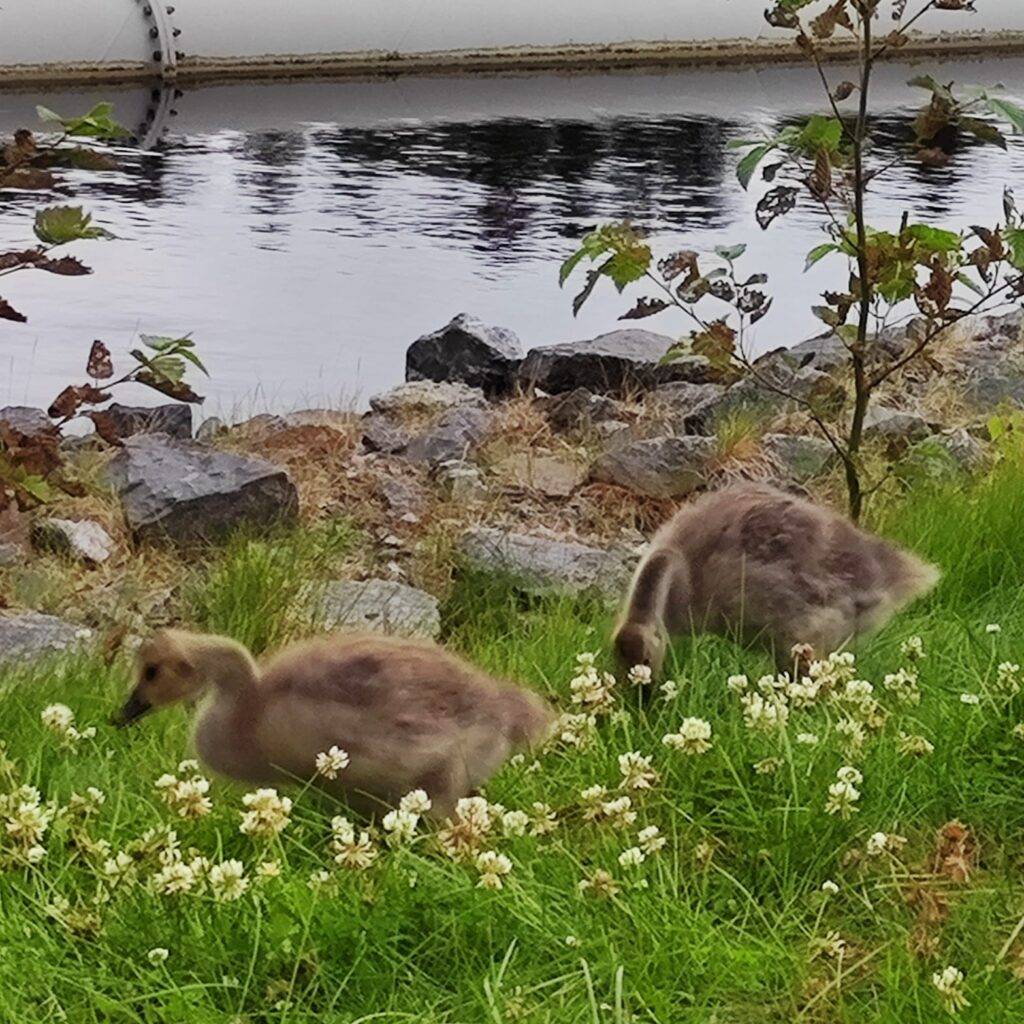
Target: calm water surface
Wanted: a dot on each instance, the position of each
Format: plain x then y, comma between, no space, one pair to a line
307,233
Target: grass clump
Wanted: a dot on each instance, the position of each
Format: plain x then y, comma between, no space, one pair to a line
729,849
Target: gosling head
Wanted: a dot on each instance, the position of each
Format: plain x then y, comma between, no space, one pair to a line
639,645
165,673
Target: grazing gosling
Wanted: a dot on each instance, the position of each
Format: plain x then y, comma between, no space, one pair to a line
409,715
753,561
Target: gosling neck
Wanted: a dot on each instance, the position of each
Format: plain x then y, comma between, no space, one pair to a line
226,665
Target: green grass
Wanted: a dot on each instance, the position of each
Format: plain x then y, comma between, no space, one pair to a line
413,939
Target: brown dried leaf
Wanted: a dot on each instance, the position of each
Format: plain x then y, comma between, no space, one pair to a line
106,426
99,365
73,397
956,852
644,308
825,25
684,261
66,266
932,911
820,181
843,91
774,203
8,312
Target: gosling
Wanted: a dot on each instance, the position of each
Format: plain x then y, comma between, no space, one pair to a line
765,566
409,715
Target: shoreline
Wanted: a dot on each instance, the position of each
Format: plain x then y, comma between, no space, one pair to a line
200,71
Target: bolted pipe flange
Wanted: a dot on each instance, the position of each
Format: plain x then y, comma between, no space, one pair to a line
163,31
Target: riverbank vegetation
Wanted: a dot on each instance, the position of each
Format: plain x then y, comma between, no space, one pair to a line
828,856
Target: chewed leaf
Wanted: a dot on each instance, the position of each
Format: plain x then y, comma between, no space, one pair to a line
645,308
775,203
99,365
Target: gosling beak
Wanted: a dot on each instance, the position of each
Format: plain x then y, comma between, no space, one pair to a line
134,707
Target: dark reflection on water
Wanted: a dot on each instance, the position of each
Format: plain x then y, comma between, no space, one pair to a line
305,257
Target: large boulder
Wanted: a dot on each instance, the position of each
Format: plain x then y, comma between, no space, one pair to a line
689,407
469,351
542,565
185,492
451,438
896,428
617,363
661,467
32,634
990,364
382,606
173,419
798,456
426,398
83,539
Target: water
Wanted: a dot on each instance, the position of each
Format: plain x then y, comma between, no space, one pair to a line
307,233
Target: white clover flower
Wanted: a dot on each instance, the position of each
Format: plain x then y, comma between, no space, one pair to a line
992,628
829,888
669,690
650,839
576,730
543,820
57,718
914,745
591,799
586,659
158,955
400,826
640,675
330,762
764,714
1018,730
115,868
738,684
415,802
166,781
692,737
600,885
188,767
515,823
842,799
885,842
492,867
342,829
970,699
632,857
807,739
267,814
849,774
1008,678
913,648
268,869
190,798
768,765
355,854
174,878
832,944
950,985
636,770
851,734
619,812
319,880
228,881
904,684
571,941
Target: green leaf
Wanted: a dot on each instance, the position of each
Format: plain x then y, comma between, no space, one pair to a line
626,266
187,353
593,276
821,133
935,239
983,131
819,252
570,264
45,114
1014,238
98,123
1011,111
746,167
730,252
742,143
929,83
59,225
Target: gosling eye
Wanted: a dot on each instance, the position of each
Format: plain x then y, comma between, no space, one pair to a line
149,673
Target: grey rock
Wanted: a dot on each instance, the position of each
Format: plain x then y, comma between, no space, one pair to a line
613,434
11,554
896,428
826,353
27,421
210,429
185,492
662,467
262,425
382,606
617,363
541,565
991,364
577,409
382,434
401,496
32,634
462,481
426,397
690,406
550,475
83,539
173,419
798,456
965,450
469,351
451,438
